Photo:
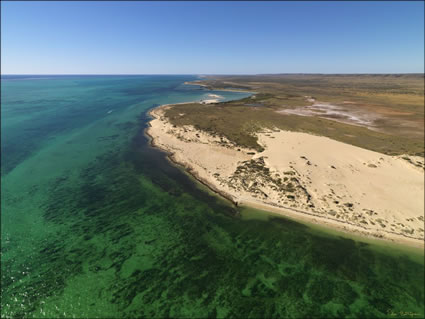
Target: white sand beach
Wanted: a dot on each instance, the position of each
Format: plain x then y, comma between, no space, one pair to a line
306,177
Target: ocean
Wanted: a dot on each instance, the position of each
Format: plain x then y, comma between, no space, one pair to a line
96,223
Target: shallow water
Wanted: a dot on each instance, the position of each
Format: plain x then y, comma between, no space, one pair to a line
95,223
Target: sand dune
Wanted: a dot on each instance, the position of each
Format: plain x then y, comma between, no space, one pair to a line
306,177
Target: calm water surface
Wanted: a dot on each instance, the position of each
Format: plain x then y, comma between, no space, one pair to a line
95,223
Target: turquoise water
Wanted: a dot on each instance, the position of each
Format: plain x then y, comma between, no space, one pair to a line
95,223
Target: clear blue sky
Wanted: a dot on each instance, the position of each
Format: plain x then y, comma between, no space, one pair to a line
211,37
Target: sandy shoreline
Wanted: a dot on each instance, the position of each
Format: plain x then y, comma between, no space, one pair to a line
350,195
221,89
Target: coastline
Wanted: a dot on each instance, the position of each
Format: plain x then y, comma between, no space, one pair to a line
219,89
282,210
186,169
170,155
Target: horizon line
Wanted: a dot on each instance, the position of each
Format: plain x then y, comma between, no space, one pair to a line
217,74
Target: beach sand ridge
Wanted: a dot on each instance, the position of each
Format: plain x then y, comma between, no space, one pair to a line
306,177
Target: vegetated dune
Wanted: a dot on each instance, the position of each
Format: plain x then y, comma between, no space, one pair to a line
305,176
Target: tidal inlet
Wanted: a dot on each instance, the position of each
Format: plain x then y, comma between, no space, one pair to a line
120,199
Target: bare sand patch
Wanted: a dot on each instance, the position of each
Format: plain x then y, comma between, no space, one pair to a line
306,177
335,112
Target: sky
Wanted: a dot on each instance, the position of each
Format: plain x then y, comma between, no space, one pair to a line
108,37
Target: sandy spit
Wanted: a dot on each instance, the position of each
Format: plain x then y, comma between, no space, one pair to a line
305,177
220,89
